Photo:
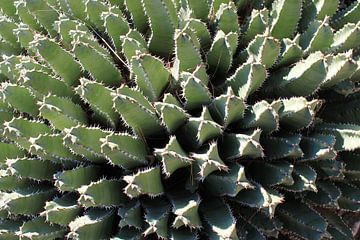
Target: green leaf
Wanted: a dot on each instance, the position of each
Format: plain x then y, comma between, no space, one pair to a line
259,221
19,200
200,8
291,52
137,14
187,52
156,216
72,179
20,98
346,38
150,75
264,49
346,110
262,115
219,58
7,28
207,162
8,8
310,72
304,179
100,99
300,220
286,145
247,79
85,142
61,210
26,17
199,130
45,14
20,130
136,112
347,15
127,233
185,207
76,9
8,49
328,168
269,174
297,113
59,59
39,229
9,182
318,37
94,224
228,183
65,25
172,115
200,29
132,46
346,135
194,91
9,229
336,225
227,108
93,10
318,147
226,18
172,156
100,66
256,25
317,9
241,145
161,25
10,151
339,68
42,84
116,26
327,194
219,218
284,18
262,198
50,147
131,215
124,150
349,198
351,166
32,168
183,234
62,112
144,182
215,5
103,193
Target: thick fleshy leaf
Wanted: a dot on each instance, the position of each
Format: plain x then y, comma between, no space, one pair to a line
94,224
61,210
103,193
219,218
144,182
301,220
284,17
39,229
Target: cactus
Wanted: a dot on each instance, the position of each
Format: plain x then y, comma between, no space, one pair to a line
179,119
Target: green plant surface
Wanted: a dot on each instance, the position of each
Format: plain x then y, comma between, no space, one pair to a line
179,119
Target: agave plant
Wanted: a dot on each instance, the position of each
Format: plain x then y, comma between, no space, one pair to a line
179,119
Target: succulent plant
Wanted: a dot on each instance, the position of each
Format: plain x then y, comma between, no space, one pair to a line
179,119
